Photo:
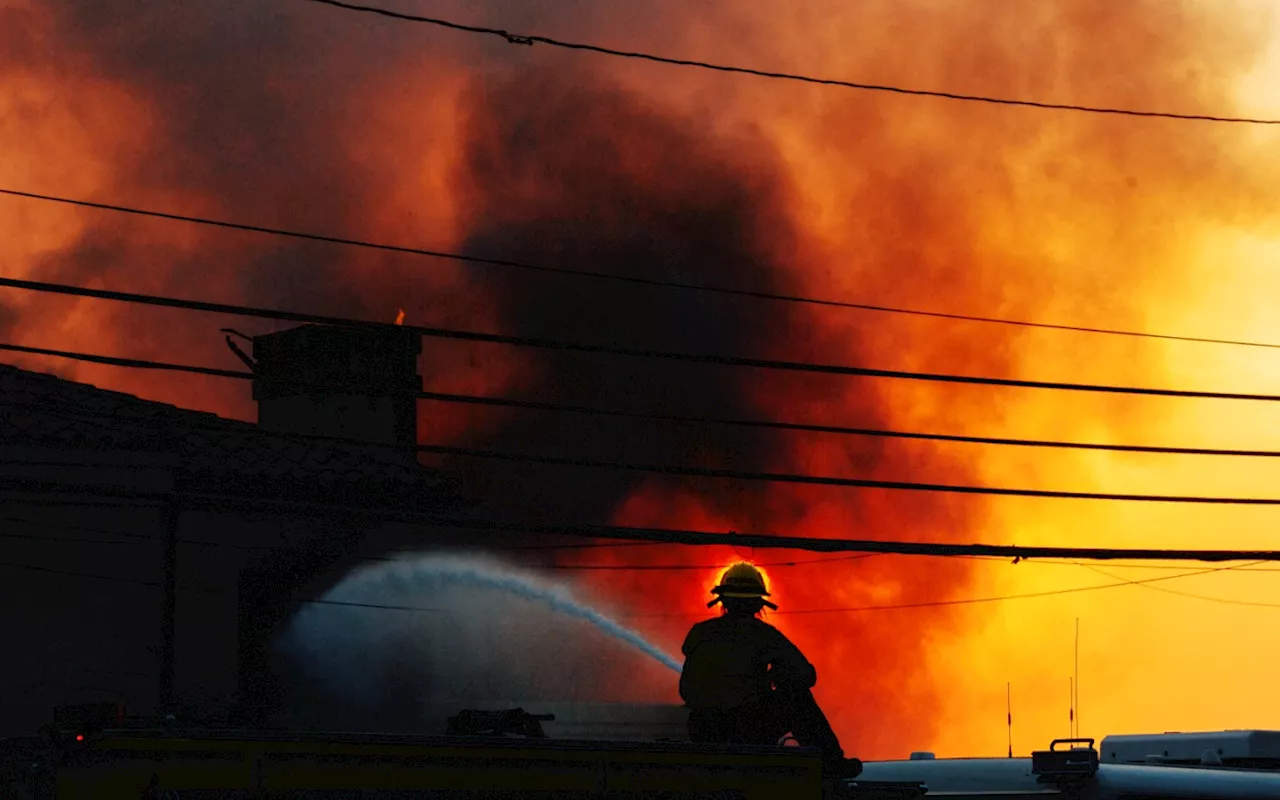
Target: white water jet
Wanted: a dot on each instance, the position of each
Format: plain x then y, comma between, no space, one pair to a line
485,630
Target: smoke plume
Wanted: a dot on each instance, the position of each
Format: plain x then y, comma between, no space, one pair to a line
296,115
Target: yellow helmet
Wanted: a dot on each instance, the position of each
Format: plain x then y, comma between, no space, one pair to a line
741,580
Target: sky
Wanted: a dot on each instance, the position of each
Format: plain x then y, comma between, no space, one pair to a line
304,116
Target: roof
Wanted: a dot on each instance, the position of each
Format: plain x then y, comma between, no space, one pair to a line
215,454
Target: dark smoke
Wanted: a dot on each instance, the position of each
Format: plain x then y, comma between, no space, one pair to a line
581,174
270,113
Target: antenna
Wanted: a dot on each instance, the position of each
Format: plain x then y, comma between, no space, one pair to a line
1008,705
1076,699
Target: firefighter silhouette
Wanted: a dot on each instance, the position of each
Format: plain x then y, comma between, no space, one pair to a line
744,682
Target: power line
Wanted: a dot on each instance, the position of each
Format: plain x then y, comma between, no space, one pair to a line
849,609
903,606
589,545
1146,583
837,545
139,539
825,480
970,600
839,430
1191,595
771,477
1164,567
61,539
530,39
694,538
131,363
558,345
72,573
207,590
533,405
626,567
1120,583
654,282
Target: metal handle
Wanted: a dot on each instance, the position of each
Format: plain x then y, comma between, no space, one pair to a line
1053,746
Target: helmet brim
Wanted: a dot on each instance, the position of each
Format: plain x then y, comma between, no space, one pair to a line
729,591
744,597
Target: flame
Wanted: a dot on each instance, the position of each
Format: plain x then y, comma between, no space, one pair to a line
1095,221
400,317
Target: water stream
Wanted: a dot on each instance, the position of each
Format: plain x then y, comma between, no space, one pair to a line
456,623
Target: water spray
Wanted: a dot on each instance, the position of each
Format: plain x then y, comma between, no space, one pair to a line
423,575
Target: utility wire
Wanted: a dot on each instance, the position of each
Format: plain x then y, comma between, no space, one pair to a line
139,539
74,574
552,344
837,545
157,584
530,39
668,284
1192,595
775,477
695,538
522,548
131,363
1148,583
63,539
826,480
532,405
890,607
838,430
670,567
1120,583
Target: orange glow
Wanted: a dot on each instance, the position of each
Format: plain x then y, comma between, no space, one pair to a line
400,317
1096,221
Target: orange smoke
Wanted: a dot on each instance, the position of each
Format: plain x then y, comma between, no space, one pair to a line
408,136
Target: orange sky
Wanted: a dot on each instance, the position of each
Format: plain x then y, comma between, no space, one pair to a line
1148,225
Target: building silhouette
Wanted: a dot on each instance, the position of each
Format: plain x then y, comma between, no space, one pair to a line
149,551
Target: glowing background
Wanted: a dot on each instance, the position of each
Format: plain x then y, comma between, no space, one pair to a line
331,122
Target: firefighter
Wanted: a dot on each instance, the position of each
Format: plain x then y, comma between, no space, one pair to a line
746,683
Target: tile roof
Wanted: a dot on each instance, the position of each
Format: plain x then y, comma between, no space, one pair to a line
215,453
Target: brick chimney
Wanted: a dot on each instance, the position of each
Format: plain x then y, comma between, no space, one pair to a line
345,382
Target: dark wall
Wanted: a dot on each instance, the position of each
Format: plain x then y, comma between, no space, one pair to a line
81,600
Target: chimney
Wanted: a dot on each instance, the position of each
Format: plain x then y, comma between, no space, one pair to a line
344,382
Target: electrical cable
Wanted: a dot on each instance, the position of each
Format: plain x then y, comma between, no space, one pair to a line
804,479
158,540
530,39
653,282
1120,583
827,480
532,405
521,548
579,347
839,430
685,537
1193,595
836,545
157,584
694,538
798,612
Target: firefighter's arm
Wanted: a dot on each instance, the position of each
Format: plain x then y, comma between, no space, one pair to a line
690,641
790,667
690,644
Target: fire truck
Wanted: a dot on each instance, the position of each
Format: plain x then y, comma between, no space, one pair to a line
508,754
96,753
